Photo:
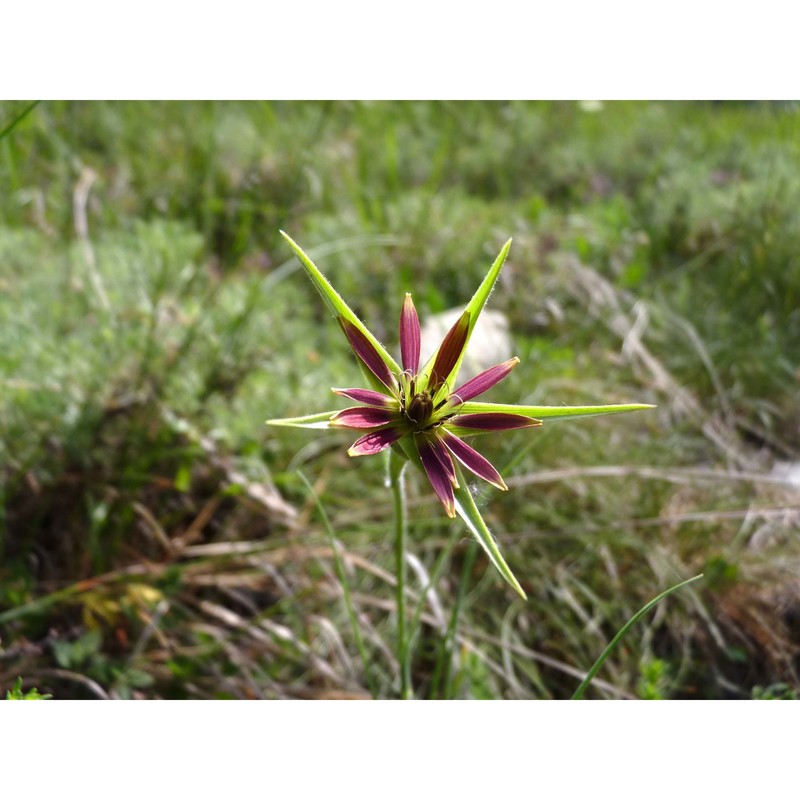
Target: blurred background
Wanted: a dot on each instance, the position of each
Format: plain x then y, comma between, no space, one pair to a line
158,540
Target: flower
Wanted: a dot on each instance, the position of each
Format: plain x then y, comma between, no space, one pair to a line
419,405
417,413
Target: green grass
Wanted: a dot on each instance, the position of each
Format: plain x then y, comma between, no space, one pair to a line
157,540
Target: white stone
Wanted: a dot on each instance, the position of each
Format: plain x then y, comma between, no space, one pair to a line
787,472
489,344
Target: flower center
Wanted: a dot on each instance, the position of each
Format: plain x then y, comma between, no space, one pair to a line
420,408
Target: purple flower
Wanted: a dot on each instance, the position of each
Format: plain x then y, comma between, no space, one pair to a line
421,412
419,405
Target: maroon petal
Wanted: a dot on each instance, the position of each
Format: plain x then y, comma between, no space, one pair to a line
366,351
441,453
364,417
375,441
473,460
493,421
450,351
367,396
483,382
409,336
437,475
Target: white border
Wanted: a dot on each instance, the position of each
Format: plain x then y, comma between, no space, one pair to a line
389,749
298,49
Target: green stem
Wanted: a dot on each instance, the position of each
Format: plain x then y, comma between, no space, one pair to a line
397,482
622,631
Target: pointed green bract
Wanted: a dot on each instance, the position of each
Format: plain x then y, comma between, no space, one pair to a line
478,301
468,511
475,306
320,421
335,303
409,449
542,412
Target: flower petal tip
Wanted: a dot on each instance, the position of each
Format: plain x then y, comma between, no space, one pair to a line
409,336
356,452
484,381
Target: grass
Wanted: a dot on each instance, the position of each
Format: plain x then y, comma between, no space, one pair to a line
157,540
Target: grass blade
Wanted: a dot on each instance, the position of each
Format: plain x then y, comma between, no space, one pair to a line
579,692
21,116
341,574
443,672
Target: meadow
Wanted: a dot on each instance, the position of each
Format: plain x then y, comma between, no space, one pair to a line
158,540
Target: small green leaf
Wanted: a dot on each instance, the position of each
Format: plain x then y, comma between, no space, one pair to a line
468,511
321,420
16,693
542,412
136,678
183,478
72,654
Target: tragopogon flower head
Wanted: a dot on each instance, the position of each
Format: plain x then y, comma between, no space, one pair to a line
417,412
419,406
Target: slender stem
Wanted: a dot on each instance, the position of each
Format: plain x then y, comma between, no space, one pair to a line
397,482
622,631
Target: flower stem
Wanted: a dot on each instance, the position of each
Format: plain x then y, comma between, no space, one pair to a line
397,482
